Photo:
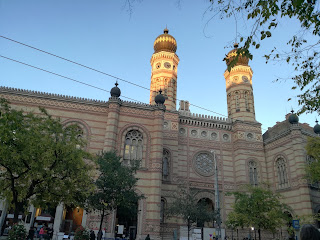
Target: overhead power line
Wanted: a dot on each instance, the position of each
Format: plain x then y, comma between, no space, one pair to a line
86,84
76,63
93,69
59,75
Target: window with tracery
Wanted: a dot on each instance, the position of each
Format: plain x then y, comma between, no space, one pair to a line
253,173
282,172
133,146
165,164
237,101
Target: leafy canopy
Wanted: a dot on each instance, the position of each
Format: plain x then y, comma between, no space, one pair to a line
191,210
257,207
115,185
263,17
41,161
313,168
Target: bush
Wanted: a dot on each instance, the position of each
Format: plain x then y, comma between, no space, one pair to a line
18,232
81,234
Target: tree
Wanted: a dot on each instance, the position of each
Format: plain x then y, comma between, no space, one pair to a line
41,161
257,207
263,17
313,168
115,185
186,206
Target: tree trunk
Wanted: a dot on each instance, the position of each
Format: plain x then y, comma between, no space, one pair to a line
188,228
99,237
18,207
259,234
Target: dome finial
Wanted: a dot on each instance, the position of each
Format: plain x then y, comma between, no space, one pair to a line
115,91
236,45
166,30
293,118
160,99
316,128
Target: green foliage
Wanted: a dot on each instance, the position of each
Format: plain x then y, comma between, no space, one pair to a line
18,232
264,16
81,234
115,186
41,161
257,207
186,206
313,168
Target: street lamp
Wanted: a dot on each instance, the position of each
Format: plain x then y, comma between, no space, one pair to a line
217,200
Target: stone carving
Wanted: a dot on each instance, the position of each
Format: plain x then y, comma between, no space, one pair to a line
204,165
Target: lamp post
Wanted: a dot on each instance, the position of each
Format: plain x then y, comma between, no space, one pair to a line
217,200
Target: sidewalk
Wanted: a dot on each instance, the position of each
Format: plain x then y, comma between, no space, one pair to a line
3,237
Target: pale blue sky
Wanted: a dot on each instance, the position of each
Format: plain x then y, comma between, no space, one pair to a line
102,34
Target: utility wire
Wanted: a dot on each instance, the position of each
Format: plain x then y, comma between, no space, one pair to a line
89,85
59,75
79,64
107,74
93,69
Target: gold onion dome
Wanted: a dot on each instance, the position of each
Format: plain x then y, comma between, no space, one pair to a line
165,42
242,60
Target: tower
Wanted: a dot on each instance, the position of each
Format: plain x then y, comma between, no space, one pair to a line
164,66
239,88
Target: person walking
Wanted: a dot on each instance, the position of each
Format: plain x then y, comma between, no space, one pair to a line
92,235
41,233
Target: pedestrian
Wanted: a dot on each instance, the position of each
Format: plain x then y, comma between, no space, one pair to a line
31,234
92,235
147,237
309,232
41,233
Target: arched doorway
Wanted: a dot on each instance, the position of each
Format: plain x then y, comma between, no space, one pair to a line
126,221
72,219
208,205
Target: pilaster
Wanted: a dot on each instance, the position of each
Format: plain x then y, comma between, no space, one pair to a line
112,124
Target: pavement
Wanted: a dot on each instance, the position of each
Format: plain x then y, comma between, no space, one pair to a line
3,237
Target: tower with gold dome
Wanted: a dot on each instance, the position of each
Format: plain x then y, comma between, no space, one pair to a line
164,65
239,87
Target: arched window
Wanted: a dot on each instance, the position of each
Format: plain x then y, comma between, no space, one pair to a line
253,173
165,164
229,103
282,172
133,146
246,101
162,209
237,101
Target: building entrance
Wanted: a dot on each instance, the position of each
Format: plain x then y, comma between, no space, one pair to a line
126,222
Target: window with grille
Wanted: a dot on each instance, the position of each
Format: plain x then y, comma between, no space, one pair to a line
253,173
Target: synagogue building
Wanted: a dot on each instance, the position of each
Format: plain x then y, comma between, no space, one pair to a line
177,147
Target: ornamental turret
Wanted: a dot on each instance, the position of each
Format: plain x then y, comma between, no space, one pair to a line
164,66
239,87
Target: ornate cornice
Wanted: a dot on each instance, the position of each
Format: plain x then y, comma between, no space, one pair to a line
205,121
50,96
